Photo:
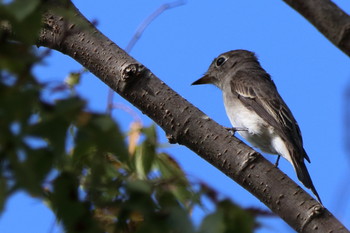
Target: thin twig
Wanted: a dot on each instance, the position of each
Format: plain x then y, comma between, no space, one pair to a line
138,34
128,110
149,20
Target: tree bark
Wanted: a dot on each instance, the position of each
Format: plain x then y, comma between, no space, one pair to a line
183,123
328,18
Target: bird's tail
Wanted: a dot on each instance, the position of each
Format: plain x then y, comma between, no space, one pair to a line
304,177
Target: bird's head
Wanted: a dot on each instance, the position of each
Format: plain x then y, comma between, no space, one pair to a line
224,66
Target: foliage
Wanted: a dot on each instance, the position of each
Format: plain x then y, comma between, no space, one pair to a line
80,163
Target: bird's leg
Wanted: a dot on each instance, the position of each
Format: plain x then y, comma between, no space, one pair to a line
234,129
278,159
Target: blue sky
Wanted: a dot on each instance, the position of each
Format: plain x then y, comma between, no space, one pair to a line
310,73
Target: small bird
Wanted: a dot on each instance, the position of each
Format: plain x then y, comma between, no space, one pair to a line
256,110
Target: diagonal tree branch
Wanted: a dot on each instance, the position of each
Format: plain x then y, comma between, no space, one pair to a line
328,18
182,122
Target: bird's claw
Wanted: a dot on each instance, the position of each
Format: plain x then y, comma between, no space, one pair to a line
234,129
278,159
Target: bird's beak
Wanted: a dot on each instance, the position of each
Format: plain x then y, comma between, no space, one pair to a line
203,80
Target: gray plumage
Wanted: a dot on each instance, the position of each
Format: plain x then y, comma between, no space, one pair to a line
252,102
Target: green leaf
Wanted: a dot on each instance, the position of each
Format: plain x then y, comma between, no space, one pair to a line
139,186
17,58
33,170
144,157
74,213
54,124
100,133
69,108
168,166
213,223
73,79
146,152
170,219
24,18
228,218
180,187
22,9
151,134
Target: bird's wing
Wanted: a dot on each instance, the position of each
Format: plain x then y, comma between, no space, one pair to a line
262,97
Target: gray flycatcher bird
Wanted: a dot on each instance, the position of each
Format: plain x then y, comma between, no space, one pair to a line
256,109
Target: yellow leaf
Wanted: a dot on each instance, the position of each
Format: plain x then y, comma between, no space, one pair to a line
134,135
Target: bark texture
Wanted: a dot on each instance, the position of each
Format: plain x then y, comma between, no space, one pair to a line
183,123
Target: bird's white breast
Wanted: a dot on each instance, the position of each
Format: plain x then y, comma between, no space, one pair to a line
259,133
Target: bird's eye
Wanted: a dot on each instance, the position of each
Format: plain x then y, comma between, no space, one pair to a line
220,61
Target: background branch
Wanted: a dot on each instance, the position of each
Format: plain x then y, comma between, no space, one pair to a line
149,20
183,123
328,18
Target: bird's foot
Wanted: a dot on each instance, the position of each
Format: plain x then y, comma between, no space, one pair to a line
234,129
277,161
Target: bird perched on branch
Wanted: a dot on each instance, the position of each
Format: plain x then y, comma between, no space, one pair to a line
256,109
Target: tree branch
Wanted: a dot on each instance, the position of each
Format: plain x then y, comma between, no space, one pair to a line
182,122
328,18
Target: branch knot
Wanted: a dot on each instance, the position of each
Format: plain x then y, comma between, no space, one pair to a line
314,212
132,71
